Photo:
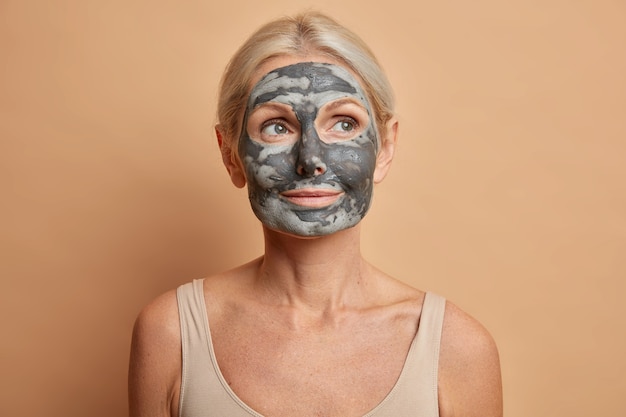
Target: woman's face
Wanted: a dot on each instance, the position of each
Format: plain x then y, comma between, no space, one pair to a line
308,148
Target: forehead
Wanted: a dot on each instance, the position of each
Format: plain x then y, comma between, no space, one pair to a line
311,80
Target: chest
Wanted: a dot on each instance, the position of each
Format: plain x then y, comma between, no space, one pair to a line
343,370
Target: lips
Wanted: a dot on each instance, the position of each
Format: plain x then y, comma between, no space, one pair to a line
312,197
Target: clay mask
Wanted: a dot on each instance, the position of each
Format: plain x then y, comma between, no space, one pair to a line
308,147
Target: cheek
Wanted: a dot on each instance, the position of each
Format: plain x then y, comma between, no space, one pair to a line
353,165
267,166
355,162
264,175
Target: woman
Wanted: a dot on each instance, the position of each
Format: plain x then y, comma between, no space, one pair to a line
310,328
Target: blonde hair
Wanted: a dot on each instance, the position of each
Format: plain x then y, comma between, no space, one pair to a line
306,33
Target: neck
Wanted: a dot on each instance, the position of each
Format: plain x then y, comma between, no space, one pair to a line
322,274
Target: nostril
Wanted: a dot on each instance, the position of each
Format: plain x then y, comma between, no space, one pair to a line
320,169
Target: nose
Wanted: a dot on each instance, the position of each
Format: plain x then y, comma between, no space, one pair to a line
310,163
312,167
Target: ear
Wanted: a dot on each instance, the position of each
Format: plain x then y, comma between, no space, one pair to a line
232,166
387,149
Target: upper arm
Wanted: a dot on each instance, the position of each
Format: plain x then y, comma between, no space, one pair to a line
469,368
155,360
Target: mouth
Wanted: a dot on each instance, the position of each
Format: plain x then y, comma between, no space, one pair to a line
312,197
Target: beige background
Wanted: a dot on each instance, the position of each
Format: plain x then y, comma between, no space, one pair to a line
508,194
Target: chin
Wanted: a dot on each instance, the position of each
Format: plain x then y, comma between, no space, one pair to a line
309,223
308,230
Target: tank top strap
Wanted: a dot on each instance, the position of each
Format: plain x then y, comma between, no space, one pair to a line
203,393
194,341
424,360
416,393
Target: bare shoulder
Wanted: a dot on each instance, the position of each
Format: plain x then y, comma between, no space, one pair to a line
469,368
155,359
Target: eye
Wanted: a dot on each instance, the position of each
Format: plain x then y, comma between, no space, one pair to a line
274,128
346,125
273,123
342,120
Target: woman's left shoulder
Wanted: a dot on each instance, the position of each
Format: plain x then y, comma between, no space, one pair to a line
462,332
469,367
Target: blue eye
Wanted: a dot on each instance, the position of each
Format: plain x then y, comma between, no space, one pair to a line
274,129
344,126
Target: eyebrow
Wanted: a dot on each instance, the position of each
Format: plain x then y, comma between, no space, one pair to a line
271,104
343,101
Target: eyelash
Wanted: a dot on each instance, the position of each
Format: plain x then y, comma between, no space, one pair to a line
279,122
343,119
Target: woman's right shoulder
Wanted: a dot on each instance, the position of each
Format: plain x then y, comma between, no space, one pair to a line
159,322
159,318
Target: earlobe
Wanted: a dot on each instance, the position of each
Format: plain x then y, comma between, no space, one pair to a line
387,150
232,166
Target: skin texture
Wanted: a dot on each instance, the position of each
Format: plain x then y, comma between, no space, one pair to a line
306,321
309,132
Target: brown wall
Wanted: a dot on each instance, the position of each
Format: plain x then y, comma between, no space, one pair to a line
508,195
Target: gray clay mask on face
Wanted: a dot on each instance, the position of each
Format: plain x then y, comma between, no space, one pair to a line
308,147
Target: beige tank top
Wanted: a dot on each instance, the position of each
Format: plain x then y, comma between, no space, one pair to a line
205,393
